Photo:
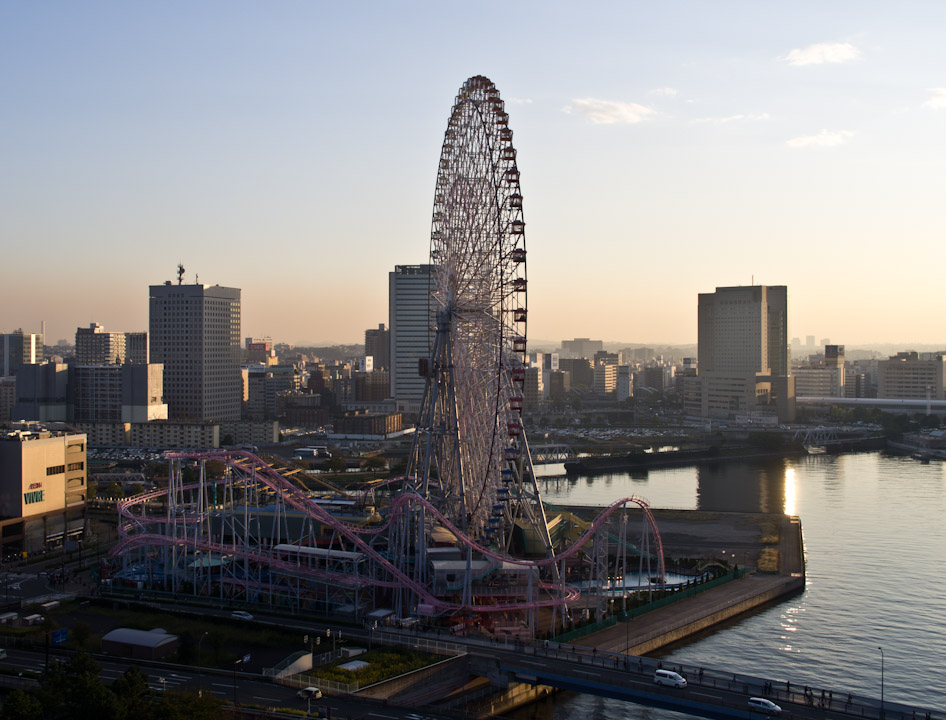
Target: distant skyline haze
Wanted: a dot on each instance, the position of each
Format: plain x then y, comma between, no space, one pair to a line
290,150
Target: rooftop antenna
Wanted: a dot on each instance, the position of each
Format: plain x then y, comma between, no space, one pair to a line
180,273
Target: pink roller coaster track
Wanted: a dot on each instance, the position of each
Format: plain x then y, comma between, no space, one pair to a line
403,503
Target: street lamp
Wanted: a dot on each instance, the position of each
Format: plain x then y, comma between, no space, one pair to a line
199,663
882,712
371,628
237,662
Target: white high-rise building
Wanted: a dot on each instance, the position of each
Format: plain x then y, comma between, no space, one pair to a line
411,327
195,332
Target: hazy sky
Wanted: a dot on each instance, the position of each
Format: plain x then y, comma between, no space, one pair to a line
290,149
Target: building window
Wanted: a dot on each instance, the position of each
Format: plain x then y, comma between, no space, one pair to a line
55,470
76,466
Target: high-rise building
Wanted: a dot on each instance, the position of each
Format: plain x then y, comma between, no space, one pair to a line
581,348
744,356
378,346
744,329
411,323
117,393
19,348
96,346
907,375
195,332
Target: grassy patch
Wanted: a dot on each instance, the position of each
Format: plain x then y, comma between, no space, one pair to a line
382,664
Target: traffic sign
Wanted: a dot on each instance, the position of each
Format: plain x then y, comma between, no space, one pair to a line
60,636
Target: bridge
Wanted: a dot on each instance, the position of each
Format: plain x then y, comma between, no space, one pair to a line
710,693
548,454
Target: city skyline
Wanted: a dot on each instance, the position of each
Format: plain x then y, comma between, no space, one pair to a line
292,152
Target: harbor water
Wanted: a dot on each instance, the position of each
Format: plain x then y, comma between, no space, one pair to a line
876,575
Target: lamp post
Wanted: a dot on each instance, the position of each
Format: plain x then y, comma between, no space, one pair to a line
199,663
882,712
237,662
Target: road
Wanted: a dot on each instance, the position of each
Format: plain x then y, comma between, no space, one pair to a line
249,689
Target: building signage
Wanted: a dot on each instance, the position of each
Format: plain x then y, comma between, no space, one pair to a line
35,486
33,496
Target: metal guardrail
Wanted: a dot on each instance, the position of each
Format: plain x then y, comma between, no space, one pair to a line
622,615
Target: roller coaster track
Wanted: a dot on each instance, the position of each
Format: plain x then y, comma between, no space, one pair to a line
133,534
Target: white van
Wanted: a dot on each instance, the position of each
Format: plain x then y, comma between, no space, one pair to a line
764,705
669,677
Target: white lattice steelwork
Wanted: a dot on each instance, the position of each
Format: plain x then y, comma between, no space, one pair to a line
471,457
464,532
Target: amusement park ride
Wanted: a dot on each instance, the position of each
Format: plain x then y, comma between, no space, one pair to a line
464,534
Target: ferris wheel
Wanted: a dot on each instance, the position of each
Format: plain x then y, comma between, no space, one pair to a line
470,455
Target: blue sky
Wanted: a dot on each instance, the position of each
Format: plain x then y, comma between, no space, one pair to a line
290,149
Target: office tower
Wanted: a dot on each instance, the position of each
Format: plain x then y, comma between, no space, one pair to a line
411,323
96,346
195,332
907,375
378,346
117,393
744,329
581,348
744,356
42,392
19,348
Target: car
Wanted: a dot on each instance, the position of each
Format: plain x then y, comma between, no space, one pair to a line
669,677
241,615
764,705
310,693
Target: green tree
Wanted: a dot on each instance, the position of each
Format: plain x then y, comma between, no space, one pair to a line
114,490
76,688
137,489
91,490
190,706
81,632
226,440
133,693
22,705
337,464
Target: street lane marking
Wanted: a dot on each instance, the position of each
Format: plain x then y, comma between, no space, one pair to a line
712,697
390,717
257,697
229,685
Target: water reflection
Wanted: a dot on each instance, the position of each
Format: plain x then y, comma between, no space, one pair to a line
742,487
790,491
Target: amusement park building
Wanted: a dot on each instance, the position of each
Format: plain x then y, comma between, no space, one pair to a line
42,486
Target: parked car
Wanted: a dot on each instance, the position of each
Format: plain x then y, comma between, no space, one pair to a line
765,705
